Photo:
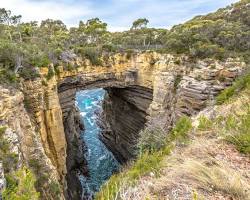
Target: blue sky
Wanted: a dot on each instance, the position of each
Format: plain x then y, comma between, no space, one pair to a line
119,14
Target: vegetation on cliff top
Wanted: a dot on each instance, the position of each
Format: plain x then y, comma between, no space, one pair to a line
24,46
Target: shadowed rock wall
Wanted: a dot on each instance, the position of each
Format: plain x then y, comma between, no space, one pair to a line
124,114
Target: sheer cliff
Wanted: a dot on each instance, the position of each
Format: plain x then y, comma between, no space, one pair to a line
143,88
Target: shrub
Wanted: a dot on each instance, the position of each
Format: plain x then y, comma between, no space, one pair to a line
151,139
50,74
91,53
109,48
182,127
238,85
29,73
20,186
240,132
40,60
177,81
2,130
204,123
7,76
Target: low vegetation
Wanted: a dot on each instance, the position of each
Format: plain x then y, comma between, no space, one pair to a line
238,129
205,123
239,85
20,186
19,181
49,188
149,160
217,177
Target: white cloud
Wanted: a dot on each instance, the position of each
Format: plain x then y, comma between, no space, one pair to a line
40,10
119,14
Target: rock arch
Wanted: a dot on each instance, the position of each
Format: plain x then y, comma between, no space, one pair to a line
172,85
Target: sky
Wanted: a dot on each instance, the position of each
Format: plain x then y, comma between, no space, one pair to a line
119,14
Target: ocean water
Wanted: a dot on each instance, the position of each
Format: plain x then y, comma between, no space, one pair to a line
101,162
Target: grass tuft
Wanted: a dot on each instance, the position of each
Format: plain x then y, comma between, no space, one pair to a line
239,85
217,177
205,123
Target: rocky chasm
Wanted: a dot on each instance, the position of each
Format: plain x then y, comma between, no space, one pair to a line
42,119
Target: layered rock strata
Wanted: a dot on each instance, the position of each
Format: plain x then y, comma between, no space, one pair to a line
147,86
124,114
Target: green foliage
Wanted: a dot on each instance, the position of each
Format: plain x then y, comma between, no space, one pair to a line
239,127
20,183
49,188
29,73
177,81
205,123
148,162
8,158
109,48
7,76
239,85
151,139
91,53
216,35
2,130
182,127
50,74
20,186
140,23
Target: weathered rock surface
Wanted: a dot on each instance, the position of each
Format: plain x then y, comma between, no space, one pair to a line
76,163
124,114
22,135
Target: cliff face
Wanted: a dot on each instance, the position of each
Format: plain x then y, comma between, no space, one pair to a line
147,87
21,133
124,114
76,163
44,108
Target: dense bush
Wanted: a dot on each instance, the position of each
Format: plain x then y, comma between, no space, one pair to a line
29,73
91,53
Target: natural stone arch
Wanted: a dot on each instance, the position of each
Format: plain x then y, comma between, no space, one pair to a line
68,86
199,82
131,110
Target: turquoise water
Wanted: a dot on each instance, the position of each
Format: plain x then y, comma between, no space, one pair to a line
101,162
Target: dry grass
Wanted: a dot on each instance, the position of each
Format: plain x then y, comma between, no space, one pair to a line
214,176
